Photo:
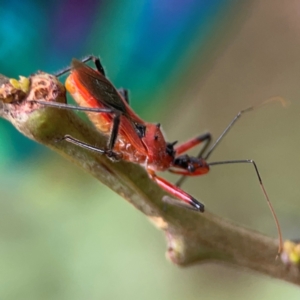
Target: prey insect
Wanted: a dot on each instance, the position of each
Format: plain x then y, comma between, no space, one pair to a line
132,139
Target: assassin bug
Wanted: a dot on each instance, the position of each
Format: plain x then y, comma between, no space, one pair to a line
134,140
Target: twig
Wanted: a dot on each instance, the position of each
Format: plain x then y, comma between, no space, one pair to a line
192,237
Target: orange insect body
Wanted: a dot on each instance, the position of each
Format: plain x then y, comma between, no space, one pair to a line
130,138
148,150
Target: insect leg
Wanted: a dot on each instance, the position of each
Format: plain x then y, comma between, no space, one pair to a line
114,131
177,202
203,150
72,107
95,59
213,147
250,161
206,138
177,192
116,119
84,145
198,172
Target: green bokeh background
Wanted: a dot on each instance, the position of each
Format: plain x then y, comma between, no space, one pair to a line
190,65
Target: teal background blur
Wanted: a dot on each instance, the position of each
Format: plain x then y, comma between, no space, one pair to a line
191,65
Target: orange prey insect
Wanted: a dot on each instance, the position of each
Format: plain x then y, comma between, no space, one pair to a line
134,140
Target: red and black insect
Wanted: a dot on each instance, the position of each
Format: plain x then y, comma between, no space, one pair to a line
132,139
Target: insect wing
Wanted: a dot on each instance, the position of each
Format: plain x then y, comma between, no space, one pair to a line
98,86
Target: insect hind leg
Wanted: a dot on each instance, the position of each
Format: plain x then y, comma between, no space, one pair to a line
109,153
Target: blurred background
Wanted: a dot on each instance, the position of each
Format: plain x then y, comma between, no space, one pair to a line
190,65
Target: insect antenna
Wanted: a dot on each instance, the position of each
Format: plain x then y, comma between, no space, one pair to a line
227,129
213,147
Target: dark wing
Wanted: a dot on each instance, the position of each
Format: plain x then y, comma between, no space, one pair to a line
98,86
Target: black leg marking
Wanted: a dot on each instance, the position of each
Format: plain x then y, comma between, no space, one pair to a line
206,139
114,132
175,202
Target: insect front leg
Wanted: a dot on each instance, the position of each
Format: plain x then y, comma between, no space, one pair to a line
177,192
203,138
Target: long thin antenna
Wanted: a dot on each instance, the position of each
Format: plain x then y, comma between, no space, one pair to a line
213,147
226,130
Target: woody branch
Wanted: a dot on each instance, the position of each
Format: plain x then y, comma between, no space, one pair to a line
191,237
